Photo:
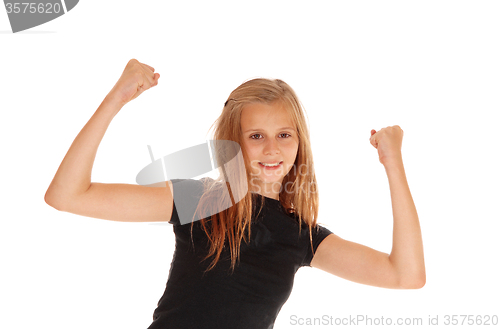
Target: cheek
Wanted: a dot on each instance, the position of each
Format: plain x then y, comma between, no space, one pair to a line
250,151
292,150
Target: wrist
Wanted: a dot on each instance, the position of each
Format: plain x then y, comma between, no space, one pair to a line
112,103
395,162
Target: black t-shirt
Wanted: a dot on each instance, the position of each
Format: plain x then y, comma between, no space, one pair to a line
252,296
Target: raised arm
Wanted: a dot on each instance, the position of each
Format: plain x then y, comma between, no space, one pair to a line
407,254
71,189
404,267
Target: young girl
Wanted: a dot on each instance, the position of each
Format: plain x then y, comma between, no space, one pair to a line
235,268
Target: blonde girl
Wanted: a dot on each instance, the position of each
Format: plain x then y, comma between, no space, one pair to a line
235,268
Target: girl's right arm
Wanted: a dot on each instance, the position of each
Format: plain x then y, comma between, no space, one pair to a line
71,189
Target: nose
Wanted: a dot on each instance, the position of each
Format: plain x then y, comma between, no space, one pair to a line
271,147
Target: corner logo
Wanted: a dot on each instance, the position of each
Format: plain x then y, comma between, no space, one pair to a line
222,155
25,15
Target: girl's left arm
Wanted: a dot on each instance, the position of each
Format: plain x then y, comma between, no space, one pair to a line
404,267
407,254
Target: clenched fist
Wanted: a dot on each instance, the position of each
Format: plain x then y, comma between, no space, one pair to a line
135,79
388,142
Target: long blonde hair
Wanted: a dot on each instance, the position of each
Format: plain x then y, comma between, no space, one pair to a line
299,193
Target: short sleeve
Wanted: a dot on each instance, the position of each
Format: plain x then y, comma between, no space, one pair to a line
318,235
187,194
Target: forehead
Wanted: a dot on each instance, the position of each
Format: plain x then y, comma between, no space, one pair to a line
265,116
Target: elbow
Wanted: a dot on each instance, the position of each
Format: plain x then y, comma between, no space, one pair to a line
48,200
421,281
417,282
415,285
51,200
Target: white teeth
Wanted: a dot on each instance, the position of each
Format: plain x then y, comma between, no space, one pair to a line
270,165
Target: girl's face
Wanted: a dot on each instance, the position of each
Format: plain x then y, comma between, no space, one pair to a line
270,140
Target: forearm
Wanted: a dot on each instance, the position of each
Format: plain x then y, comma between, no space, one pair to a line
73,175
407,255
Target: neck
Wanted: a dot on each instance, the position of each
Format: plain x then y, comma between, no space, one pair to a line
270,190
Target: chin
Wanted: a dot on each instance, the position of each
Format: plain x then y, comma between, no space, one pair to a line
268,179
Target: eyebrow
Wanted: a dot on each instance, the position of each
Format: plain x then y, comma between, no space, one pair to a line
282,128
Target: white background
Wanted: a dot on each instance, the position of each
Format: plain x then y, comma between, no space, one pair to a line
430,67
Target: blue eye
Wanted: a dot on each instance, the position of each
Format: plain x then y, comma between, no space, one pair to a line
254,135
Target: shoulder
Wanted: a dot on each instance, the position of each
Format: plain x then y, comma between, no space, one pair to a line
319,233
186,195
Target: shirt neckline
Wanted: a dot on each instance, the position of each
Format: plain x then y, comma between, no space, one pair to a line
270,202
267,198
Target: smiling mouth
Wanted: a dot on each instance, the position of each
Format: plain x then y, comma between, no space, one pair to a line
271,165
